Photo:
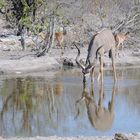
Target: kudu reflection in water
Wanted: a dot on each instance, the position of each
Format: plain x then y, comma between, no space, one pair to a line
101,118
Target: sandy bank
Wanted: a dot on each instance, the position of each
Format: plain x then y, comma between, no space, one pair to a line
23,62
132,136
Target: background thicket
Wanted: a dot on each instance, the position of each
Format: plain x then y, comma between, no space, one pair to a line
80,18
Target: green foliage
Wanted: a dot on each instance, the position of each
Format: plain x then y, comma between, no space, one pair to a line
40,2
26,21
2,3
65,21
27,10
37,28
59,13
27,18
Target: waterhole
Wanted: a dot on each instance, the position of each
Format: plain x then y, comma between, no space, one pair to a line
48,105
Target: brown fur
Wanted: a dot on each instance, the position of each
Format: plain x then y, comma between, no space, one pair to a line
120,38
59,36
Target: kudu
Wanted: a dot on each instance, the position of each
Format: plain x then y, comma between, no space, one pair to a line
59,36
60,39
100,43
120,38
101,118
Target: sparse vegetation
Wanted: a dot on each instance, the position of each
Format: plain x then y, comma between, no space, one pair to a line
81,18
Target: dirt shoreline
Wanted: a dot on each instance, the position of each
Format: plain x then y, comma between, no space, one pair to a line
19,62
118,136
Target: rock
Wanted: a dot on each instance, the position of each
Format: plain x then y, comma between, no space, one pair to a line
119,136
68,62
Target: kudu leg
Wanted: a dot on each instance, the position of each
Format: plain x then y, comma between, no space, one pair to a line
101,96
113,65
92,82
122,49
62,49
99,75
111,103
117,50
101,68
92,76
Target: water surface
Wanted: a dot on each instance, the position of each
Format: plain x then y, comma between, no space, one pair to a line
46,105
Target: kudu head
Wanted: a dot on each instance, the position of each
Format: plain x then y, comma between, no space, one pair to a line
86,68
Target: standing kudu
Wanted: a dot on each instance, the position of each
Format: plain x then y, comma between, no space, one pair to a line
59,37
120,38
101,43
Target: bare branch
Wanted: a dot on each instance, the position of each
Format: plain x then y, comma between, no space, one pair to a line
129,21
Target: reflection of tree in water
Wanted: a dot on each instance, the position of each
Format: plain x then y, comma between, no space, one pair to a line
101,118
19,99
23,98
